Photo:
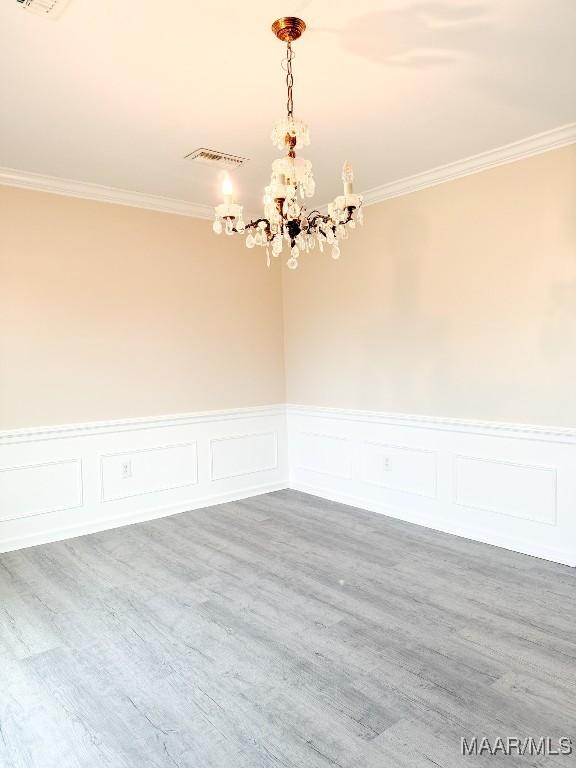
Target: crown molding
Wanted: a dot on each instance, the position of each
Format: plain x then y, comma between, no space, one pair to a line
532,145
88,191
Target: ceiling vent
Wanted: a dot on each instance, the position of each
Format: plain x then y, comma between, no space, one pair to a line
51,8
218,159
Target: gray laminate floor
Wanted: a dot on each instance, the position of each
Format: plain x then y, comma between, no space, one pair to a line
281,631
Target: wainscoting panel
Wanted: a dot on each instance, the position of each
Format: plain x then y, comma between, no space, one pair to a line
398,468
512,486
323,454
243,455
518,490
38,489
59,482
148,470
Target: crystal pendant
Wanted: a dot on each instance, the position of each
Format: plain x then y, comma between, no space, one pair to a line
335,252
250,241
217,227
292,263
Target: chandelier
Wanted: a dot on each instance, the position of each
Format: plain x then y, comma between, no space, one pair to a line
286,219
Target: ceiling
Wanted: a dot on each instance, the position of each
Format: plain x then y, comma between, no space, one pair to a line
116,93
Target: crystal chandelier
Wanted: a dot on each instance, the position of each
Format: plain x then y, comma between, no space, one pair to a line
285,218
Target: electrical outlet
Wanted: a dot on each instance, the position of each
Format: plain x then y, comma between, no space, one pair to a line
126,470
387,466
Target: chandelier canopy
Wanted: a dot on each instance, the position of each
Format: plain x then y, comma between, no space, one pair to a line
285,217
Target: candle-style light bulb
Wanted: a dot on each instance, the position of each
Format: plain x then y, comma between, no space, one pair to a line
347,177
227,190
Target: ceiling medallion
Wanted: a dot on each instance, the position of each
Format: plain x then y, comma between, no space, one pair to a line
285,217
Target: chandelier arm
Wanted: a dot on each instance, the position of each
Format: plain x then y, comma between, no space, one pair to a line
324,219
254,225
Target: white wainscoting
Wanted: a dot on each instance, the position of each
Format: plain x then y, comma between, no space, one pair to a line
508,485
512,486
66,481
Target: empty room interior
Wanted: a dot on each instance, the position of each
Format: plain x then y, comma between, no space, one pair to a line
287,384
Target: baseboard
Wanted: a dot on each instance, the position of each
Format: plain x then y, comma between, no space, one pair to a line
445,526
141,516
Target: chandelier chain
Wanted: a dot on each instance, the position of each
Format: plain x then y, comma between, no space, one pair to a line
289,79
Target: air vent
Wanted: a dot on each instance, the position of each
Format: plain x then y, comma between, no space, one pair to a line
213,157
52,8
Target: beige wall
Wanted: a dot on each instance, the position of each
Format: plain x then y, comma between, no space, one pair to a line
459,300
114,312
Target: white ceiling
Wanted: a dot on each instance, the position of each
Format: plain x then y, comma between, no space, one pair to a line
116,93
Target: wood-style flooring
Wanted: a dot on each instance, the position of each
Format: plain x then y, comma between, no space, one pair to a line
283,631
